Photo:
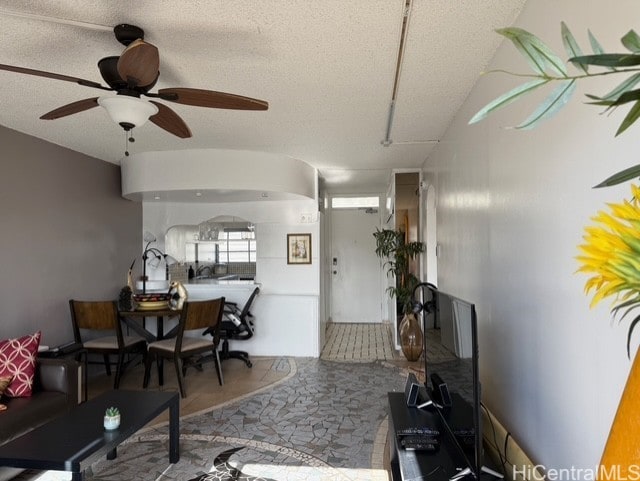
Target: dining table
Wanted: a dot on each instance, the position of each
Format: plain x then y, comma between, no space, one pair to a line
135,320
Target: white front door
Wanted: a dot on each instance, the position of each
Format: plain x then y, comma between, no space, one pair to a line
355,268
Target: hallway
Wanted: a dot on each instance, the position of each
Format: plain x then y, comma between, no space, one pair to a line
359,342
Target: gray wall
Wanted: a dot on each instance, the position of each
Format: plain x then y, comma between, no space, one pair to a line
66,233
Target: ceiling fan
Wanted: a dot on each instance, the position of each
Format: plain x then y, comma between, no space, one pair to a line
132,75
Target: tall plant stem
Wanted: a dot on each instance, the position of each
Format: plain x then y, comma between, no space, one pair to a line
568,77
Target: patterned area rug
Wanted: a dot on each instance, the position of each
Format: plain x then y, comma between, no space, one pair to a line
327,421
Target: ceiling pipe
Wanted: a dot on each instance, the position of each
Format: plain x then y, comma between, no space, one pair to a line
62,21
403,36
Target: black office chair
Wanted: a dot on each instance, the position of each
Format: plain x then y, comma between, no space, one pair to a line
237,325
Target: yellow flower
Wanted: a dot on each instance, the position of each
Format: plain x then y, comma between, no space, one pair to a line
610,255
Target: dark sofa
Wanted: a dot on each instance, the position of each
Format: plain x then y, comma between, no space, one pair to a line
55,390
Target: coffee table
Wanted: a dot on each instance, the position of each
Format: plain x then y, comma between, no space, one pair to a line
74,441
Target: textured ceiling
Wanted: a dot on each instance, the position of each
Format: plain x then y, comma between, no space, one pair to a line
326,68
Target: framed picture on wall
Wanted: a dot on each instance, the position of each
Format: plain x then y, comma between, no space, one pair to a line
298,248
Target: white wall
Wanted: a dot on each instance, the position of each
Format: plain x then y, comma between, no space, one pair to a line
511,207
324,306
287,318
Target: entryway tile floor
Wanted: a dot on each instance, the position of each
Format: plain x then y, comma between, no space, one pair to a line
359,342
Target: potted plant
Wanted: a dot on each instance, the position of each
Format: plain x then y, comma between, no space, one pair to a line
397,255
111,418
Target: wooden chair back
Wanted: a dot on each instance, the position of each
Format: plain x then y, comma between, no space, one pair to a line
94,315
201,315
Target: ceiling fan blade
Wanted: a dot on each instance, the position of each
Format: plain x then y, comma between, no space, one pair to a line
212,99
139,63
168,120
56,76
72,108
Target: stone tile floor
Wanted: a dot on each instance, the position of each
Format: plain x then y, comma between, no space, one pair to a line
283,420
326,420
303,420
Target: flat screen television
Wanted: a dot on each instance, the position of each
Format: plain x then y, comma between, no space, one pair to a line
451,352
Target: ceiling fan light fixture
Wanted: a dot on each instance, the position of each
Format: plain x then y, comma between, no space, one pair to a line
128,111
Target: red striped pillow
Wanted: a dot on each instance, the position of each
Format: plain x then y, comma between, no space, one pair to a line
18,360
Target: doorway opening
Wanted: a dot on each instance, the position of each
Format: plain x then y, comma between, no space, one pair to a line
405,217
354,267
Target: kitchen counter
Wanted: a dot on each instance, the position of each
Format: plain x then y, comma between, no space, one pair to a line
296,315
219,282
233,290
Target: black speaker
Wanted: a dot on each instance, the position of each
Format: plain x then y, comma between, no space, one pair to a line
440,391
411,389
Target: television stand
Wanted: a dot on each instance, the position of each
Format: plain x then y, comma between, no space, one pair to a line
443,464
428,404
467,472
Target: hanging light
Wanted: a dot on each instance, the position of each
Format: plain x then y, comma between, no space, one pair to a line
127,111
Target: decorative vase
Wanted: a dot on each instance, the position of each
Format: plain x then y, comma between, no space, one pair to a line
111,422
411,337
621,456
178,295
125,300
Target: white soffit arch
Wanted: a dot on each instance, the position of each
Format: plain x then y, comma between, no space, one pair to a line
216,175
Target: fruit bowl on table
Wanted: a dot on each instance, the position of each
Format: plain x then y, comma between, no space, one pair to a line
151,301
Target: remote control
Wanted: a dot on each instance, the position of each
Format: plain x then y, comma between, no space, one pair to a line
419,443
419,446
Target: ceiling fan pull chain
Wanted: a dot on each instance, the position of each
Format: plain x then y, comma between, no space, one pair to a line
128,137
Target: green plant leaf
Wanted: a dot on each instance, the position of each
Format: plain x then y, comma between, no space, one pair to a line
507,98
539,56
609,60
571,46
630,333
627,97
605,103
551,105
625,86
391,246
631,41
632,304
596,47
620,177
630,119
631,258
